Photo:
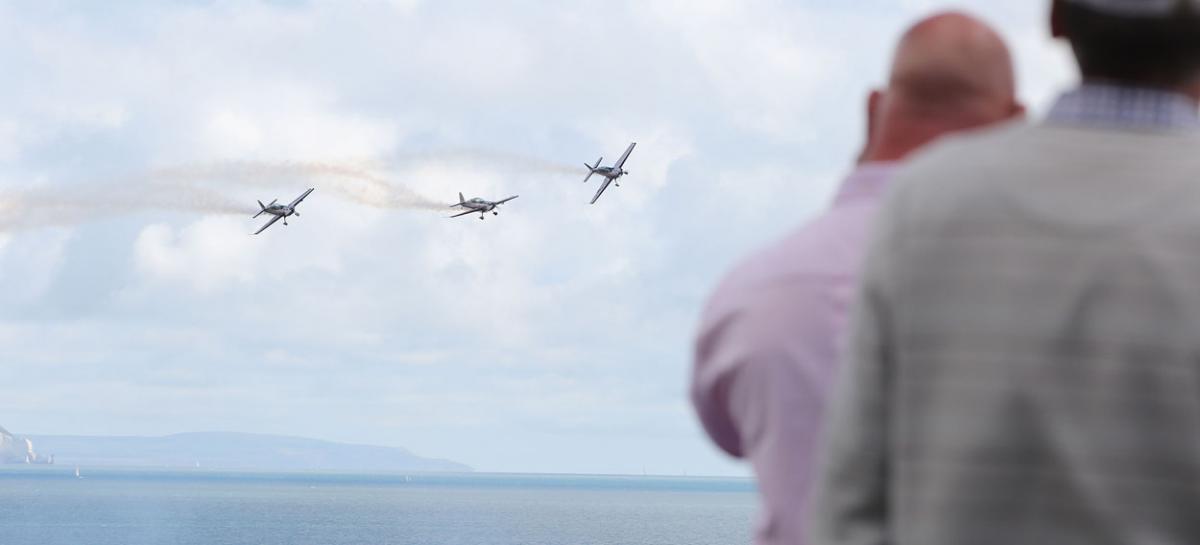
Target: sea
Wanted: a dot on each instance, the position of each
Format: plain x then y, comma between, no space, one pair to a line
50,505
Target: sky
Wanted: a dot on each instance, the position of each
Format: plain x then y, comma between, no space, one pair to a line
555,337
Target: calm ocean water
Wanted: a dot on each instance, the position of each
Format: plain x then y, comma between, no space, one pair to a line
49,506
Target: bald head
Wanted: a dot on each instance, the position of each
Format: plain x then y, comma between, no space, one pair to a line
951,72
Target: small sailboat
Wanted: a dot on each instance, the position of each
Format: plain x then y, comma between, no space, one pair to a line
77,475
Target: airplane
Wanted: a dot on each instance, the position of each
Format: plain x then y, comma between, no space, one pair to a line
611,174
280,211
482,206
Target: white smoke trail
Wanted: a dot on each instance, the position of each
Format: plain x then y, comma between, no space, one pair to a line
43,207
488,159
352,182
205,188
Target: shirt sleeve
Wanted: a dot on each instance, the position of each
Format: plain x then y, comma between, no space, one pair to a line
760,386
851,507
760,373
714,367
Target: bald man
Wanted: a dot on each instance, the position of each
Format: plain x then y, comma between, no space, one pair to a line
1024,364
767,346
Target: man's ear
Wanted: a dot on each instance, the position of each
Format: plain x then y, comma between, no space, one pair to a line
1058,27
874,105
1017,112
1193,89
874,100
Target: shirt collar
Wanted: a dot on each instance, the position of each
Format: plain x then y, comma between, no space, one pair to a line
1121,107
866,182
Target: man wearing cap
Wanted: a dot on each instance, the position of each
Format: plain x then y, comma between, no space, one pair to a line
767,344
1025,357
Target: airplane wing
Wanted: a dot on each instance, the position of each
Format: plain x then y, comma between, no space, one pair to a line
508,199
621,161
602,188
301,197
465,213
269,223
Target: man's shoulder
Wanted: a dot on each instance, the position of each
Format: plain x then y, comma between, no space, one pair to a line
814,255
965,160
982,174
970,174
970,151
817,249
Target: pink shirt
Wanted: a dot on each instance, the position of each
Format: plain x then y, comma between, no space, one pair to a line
768,348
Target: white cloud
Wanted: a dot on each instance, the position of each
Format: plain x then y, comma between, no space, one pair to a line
287,126
204,255
30,264
760,56
746,114
10,144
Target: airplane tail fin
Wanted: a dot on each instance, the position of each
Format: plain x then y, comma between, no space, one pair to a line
592,169
460,198
262,208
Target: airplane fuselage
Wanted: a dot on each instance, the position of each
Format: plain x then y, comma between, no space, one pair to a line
612,174
609,172
480,206
280,210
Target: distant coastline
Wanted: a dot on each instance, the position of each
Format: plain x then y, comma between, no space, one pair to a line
223,451
444,480
19,450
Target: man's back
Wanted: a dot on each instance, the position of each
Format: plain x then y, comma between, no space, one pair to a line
767,350
769,343
1037,293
